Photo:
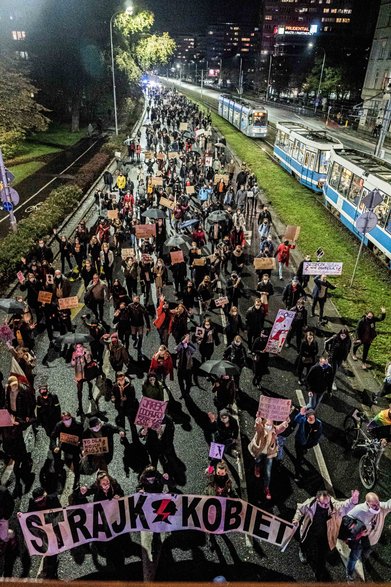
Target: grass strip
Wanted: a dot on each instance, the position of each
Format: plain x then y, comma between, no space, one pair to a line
25,170
295,204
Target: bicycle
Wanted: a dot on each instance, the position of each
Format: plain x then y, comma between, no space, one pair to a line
357,438
33,208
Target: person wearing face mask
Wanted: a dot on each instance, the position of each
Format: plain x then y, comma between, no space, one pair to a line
303,279
220,483
65,250
366,334
139,319
43,252
265,290
308,352
184,364
48,409
372,513
299,323
319,381
66,438
264,448
255,318
235,324
234,289
162,365
308,435
208,340
319,519
98,429
292,293
33,286
152,388
283,254
80,358
320,294
152,481
236,354
338,347
260,358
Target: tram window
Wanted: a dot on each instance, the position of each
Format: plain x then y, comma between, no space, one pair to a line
295,151
236,118
324,158
355,188
345,181
281,139
335,175
260,119
250,119
388,223
309,159
382,211
289,146
300,157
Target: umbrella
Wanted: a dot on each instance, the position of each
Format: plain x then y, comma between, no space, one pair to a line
154,213
195,150
188,134
217,216
190,222
73,338
11,306
219,368
221,145
177,241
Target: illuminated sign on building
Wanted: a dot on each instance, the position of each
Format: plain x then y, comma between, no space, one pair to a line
287,29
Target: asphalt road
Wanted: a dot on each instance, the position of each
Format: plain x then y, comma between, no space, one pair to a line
187,556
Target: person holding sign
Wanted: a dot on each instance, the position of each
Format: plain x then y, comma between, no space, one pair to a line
66,438
80,358
264,448
104,431
283,254
320,294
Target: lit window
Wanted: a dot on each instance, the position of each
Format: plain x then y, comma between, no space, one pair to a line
22,54
18,35
268,17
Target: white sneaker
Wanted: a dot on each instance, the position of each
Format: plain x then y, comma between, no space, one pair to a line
334,387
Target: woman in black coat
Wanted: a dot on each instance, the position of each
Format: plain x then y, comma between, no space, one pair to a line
309,350
208,340
235,324
260,358
338,347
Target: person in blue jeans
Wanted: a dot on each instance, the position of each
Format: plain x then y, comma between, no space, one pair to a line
308,435
319,381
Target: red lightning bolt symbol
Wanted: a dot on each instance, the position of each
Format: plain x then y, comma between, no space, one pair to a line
162,507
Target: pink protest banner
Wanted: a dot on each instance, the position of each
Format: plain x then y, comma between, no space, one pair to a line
274,408
6,334
150,413
45,297
279,332
20,277
5,419
145,230
68,303
177,257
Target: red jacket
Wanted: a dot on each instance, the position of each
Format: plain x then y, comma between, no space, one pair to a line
282,253
167,365
160,316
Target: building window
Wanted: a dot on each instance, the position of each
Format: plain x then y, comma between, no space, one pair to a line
18,35
22,54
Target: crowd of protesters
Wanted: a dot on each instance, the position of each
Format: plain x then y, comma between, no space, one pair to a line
184,218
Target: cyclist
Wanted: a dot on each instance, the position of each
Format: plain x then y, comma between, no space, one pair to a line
380,426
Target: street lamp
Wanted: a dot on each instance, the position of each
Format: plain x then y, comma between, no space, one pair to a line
321,75
240,89
268,88
128,10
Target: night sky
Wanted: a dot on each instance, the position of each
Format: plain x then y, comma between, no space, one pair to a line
195,15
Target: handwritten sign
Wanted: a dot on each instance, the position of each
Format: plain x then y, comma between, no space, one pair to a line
95,446
264,263
157,181
45,297
150,413
220,177
199,262
68,303
292,233
279,332
145,230
5,419
274,408
173,155
69,439
20,277
166,203
199,332
177,257
208,161
322,268
125,253
112,214
190,189
183,126
148,155
221,302
216,450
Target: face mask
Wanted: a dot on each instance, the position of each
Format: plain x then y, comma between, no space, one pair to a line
325,365
221,480
323,505
41,245
67,423
237,343
207,326
372,510
268,428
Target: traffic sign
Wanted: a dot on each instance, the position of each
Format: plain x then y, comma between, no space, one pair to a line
8,207
366,222
9,175
7,194
373,199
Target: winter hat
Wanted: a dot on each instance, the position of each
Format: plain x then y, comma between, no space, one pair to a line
310,412
223,413
94,421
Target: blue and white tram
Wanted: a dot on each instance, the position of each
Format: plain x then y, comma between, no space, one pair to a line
250,120
351,176
304,153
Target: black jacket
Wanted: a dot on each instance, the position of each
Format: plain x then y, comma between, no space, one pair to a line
255,319
291,295
319,379
236,354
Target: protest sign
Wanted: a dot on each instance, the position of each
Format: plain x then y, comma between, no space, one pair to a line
69,439
199,332
125,253
190,189
221,302
274,408
199,262
6,333
264,263
279,332
20,277
216,450
173,155
183,126
161,156
319,253
322,268
145,230
208,161
112,214
221,177
166,203
292,233
199,132
95,446
5,419
53,531
68,303
157,180
45,297
149,155
150,413
176,257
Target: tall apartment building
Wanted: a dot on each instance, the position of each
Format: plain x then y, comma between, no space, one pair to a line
378,74
185,47
225,40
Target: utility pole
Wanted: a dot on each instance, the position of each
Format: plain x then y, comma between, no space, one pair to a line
385,123
240,76
269,77
320,80
202,84
6,194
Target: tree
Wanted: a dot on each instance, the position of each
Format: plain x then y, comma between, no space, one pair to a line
335,81
140,49
20,113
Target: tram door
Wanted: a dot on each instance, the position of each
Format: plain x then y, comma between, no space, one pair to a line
308,169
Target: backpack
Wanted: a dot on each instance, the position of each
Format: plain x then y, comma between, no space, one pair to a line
351,529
